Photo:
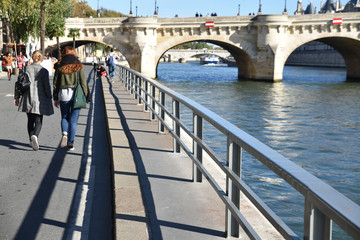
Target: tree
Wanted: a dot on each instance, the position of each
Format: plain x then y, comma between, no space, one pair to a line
42,26
25,16
74,33
56,28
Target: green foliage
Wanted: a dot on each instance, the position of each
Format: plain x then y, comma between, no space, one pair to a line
194,45
81,9
74,32
55,28
24,15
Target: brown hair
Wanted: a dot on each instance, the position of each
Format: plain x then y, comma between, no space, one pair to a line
73,67
68,50
37,56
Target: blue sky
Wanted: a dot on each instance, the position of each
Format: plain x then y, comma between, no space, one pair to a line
188,8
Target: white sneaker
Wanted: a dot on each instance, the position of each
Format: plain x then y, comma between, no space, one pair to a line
35,144
64,140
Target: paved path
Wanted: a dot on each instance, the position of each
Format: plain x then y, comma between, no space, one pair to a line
52,193
173,207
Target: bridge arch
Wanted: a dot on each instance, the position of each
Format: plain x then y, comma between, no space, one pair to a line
51,48
243,55
347,47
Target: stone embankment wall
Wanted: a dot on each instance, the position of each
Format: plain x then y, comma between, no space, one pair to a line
315,54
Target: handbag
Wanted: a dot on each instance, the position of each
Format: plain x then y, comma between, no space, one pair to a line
79,97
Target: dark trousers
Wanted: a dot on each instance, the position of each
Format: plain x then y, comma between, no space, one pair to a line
34,124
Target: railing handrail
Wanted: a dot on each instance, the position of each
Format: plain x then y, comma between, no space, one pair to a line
329,201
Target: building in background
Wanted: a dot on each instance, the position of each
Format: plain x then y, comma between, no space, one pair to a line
330,6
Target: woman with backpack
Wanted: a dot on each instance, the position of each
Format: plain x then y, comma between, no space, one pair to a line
110,62
69,73
36,100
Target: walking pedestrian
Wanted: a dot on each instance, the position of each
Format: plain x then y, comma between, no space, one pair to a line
70,72
36,101
110,62
8,59
21,61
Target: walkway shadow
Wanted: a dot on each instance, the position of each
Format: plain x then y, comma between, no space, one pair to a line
35,215
15,145
151,217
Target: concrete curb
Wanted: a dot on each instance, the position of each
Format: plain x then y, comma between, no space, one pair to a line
127,195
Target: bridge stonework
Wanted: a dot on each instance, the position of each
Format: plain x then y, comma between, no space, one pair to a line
260,44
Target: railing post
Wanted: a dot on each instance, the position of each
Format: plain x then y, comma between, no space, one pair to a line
162,112
234,163
197,150
139,90
146,92
129,80
153,94
176,126
136,82
316,225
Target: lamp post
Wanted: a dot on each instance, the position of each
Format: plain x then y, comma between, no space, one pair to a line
155,12
136,11
239,10
259,12
285,11
98,9
130,13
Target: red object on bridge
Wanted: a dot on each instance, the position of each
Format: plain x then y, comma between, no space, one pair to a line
337,21
209,24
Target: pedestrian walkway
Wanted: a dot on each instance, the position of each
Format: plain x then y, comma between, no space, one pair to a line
53,193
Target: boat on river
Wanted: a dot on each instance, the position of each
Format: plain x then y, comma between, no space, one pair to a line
209,59
230,61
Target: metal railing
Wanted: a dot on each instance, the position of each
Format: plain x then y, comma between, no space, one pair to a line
323,204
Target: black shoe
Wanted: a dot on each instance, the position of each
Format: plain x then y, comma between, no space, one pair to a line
70,147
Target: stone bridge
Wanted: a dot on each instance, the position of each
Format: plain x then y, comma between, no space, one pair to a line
260,44
176,54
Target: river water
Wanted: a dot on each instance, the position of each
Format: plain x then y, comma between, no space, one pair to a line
312,117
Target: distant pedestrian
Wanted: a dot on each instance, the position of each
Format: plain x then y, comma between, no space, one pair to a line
101,72
21,61
36,101
70,72
8,59
110,62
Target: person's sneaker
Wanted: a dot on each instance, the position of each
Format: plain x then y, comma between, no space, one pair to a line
70,147
63,140
35,143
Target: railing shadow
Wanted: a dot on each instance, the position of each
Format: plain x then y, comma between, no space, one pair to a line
151,217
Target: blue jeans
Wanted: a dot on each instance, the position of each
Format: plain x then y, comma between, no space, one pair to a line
69,118
111,70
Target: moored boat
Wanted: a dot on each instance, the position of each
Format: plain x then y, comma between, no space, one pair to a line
209,59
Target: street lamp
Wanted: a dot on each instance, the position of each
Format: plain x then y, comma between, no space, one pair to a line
285,11
155,12
130,13
259,12
136,11
98,9
239,10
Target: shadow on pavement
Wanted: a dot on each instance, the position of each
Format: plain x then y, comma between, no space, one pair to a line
35,215
15,145
151,217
